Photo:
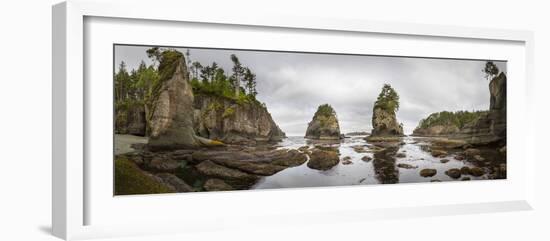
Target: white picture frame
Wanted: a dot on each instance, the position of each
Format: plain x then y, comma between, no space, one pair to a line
72,193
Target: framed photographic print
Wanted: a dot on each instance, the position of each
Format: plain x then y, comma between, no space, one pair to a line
213,122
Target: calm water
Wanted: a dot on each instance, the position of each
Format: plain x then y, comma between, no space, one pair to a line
361,172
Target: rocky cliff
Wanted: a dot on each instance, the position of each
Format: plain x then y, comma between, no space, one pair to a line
224,119
130,119
385,123
491,127
324,125
476,128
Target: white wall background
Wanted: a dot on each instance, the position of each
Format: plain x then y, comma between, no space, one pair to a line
25,119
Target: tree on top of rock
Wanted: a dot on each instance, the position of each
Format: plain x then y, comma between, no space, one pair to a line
491,70
388,99
325,110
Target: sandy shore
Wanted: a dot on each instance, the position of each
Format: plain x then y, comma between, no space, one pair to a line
123,143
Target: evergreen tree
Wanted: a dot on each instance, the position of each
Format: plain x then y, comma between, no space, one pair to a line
237,73
490,70
388,99
250,82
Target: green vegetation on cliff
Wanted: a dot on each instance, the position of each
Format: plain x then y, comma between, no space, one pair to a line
446,118
325,110
139,88
388,99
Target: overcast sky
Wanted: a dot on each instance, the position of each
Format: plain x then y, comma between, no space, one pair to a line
293,85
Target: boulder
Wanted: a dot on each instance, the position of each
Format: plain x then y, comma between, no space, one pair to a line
235,178
444,160
323,159
438,153
453,173
406,166
324,125
428,172
476,171
366,158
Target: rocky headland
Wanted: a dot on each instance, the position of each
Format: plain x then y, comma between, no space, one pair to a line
473,128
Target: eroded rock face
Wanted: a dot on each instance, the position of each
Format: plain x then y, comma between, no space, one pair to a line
324,125
223,119
172,117
385,123
130,120
491,127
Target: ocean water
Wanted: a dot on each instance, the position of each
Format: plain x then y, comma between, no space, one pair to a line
361,172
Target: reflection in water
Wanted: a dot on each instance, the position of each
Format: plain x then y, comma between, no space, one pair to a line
384,166
391,163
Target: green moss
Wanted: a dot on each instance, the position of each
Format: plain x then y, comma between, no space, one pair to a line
129,179
228,112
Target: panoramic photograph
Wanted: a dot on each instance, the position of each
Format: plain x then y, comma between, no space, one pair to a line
192,119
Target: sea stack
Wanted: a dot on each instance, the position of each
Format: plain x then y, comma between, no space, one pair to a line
384,120
324,125
172,117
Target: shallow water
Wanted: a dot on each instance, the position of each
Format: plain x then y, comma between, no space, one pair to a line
361,172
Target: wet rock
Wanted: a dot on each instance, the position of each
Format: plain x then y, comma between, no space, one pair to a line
428,172
220,155
444,160
406,166
502,150
164,164
466,179
303,148
366,158
359,149
216,185
453,173
401,155
252,167
289,158
435,180
459,157
235,178
479,158
173,182
323,159
465,170
438,153
346,162
476,171
471,152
